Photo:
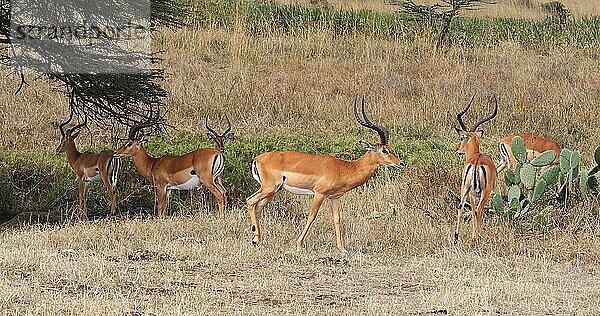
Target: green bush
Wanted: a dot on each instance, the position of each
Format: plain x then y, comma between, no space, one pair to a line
43,181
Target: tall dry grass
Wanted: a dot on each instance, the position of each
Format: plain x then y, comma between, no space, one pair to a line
522,9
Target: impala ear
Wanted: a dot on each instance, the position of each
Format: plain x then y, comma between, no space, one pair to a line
210,136
479,132
230,136
366,145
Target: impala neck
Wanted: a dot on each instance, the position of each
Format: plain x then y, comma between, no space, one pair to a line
71,151
143,163
472,148
364,168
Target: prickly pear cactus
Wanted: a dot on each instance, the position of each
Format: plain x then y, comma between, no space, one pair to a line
544,159
518,149
551,175
514,193
540,188
528,176
497,200
565,160
596,170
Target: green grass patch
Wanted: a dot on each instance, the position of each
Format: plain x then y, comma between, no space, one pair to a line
43,181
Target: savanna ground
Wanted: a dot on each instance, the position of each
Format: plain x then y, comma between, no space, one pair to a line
295,91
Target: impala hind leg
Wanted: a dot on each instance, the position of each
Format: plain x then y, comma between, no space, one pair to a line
460,212
112,194
314,209
219,193
478,213
255,203
335,210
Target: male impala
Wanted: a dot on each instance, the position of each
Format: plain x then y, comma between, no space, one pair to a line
535,145
323,176
479,175
89,167
170,172
219,139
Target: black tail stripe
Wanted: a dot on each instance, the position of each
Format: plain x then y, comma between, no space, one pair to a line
255,168
484,176
467,173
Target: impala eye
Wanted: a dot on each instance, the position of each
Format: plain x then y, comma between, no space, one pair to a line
385,151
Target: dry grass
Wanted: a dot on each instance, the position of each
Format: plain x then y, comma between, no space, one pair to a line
526,9
398,263
398,228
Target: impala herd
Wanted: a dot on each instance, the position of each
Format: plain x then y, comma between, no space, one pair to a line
322,176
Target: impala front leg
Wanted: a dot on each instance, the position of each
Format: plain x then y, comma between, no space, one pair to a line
163,200
335,210
81,189
84,215
314,209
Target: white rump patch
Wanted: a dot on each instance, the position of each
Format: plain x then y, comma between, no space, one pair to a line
297,190
192,183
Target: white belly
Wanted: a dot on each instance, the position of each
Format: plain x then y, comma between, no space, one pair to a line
97,177
192,183
296,190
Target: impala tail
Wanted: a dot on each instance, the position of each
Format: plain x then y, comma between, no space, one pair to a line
114,164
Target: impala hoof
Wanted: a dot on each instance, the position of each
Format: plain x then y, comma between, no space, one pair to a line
254,241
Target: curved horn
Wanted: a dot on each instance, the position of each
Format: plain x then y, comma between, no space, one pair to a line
136,128
228,125
489,117
461,113
364,121
62,125
70,131
208,127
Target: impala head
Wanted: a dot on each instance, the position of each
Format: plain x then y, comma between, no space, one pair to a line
381,151
135,140
68,134
219,139
469,138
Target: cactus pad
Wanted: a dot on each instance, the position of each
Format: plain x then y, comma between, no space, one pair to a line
498,202
528,176
544,158
551,175
565,160
518,149
540,188
514,193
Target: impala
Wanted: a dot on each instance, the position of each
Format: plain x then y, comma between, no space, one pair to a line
535,145
323,176
219,139
479,174
89,167
169,172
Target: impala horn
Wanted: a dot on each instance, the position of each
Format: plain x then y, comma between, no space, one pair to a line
362,119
